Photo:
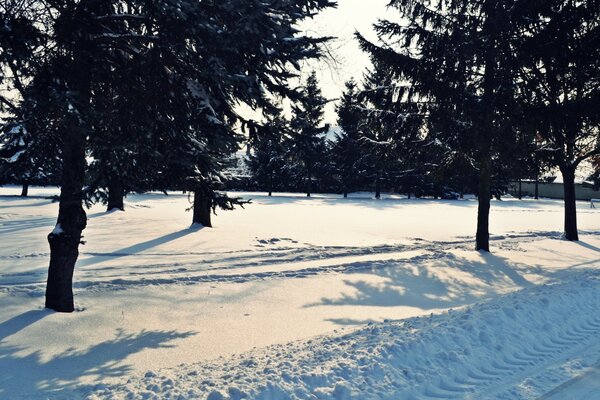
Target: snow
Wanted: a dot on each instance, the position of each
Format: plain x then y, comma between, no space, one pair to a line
301,298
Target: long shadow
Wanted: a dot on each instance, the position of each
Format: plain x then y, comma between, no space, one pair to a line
588,246
423,286
20,322
8,227
138,248
29,374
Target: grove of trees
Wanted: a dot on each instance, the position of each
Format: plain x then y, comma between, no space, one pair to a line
110,97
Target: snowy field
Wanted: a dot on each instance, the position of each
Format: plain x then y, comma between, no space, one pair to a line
296,298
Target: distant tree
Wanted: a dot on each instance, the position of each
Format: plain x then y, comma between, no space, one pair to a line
22,157
267,155
346,151
307,144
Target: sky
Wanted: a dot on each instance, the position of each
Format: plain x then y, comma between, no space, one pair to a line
350,16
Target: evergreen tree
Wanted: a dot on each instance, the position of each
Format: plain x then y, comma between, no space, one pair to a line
267,155
193,62
346,152
559,88
307,139
456,56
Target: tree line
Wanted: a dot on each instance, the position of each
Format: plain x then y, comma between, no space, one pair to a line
463,96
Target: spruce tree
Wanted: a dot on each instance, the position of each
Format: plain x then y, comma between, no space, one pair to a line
307,138
346,152
267,155
559,87
455,55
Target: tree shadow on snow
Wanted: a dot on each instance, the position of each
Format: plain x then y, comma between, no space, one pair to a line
138,248
26,372
445,281
9,227
588,246
20,322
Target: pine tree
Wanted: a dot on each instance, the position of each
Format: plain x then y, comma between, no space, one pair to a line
346,153
307,139
558,86
457,56
267,156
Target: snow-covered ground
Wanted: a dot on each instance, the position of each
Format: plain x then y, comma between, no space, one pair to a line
303,298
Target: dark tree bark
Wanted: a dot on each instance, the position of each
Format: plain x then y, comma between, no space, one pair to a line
483,211
568,174
25,190
116,196
202,209
487,131
537,187
378,185
65,239
309,183
271,184
345,194
520,189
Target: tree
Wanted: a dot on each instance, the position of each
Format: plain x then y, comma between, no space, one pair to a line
456,56
307,139
267,155
346,151
559,87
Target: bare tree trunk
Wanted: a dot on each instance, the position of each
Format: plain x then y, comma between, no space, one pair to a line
483,211
487,131
378,185
25,190
116,196
271,184
64,240
202,209
309,182
568,174
520,189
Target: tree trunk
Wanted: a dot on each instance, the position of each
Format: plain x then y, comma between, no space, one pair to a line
271,184
378,185
309,183
537,187
487,129
345,194
571,233
483,211
116,195
25,190
520,189
64,240
202,210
